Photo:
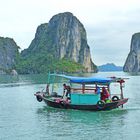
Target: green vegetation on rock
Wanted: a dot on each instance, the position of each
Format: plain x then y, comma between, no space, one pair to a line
42,63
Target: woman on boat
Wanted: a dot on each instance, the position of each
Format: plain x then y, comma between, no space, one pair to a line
67,90
104,94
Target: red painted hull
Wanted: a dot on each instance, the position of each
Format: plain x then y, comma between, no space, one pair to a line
65,105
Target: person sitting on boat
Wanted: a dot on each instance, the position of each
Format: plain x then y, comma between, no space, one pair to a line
105,94
67,90
97,90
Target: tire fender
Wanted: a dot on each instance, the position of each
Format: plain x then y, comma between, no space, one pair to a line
101,104
115,98
39,98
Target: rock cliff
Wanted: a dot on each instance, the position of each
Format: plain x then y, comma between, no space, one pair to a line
8,54
64,37
132,63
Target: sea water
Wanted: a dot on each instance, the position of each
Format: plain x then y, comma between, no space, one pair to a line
23,118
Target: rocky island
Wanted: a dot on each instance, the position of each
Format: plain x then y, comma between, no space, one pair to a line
8,54
110,67
59,45
132,63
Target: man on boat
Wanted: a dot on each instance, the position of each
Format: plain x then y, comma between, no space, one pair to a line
67,90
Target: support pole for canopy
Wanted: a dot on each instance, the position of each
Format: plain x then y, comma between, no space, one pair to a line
108,86
53,79
48,79
121,88
83,88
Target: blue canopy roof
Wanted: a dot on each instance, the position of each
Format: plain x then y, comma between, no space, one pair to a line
87,80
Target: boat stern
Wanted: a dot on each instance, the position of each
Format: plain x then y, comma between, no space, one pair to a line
122,101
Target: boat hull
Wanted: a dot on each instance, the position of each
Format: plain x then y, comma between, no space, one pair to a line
96,107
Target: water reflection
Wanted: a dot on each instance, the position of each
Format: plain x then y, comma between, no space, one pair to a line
81,116
72,124
32,78
133,74
8,79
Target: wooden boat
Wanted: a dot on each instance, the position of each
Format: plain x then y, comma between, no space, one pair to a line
87,93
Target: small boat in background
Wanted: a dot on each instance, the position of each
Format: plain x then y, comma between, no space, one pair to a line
84,93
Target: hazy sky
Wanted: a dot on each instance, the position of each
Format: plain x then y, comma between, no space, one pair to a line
110,24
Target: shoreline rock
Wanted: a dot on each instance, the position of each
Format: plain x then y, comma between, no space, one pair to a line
132,63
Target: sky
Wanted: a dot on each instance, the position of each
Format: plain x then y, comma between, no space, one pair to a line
109,24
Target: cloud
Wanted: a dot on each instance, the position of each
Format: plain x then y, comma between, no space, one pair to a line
109,24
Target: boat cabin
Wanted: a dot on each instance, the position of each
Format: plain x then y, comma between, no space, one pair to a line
87,90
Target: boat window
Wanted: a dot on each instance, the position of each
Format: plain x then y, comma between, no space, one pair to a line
86,89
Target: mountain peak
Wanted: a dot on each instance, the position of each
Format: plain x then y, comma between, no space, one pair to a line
63,37
132,63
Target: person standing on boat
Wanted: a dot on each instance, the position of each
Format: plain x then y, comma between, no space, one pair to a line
67,90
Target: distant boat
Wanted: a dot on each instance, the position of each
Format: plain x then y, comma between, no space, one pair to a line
86,93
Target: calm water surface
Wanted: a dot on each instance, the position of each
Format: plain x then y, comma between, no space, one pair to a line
23,118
